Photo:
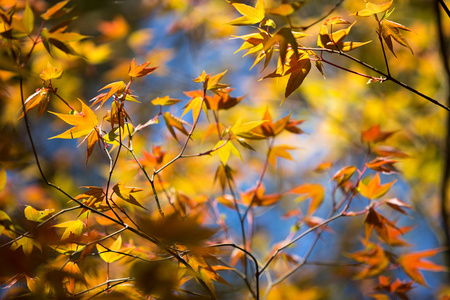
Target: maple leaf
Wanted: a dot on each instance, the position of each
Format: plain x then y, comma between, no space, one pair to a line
73,229
255,42
386,230
399,288
374,258
85,124
250,15
272,129
398,205
35,215
374,189
280,151
314,191
283,37
173,229
296,68
40,99
413,263
114,87
391,30
141,70
126,193
259,197
165,101
27,244
372,9
383,165
223,173
375,135
388,151
153,159
344,175
196,105
334,40
225,148
51,72
74,272
116,253
56,11
245,130
285,9
174,122
92,198
211,82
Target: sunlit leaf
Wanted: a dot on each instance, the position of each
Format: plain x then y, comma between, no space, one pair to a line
195,105
40,99
51,72
165,101
284,37
114,87
73,229
116,252
225,151
280,151
298,71
141,70
55,11
372,9
84,123
391,30
314,191
35,215
126,193
27,244
375,135
413,263
344,174
3,177
398,205
383,165
285,9
72,269
373,189
250,15
258,197
373,258
28,18
174,122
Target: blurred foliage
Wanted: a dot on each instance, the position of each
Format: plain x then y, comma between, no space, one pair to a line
233,171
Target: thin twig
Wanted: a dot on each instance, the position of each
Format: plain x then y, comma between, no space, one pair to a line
388,77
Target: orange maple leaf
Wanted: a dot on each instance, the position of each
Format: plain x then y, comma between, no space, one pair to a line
412,263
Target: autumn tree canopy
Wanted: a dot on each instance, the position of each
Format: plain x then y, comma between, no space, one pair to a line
224,150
